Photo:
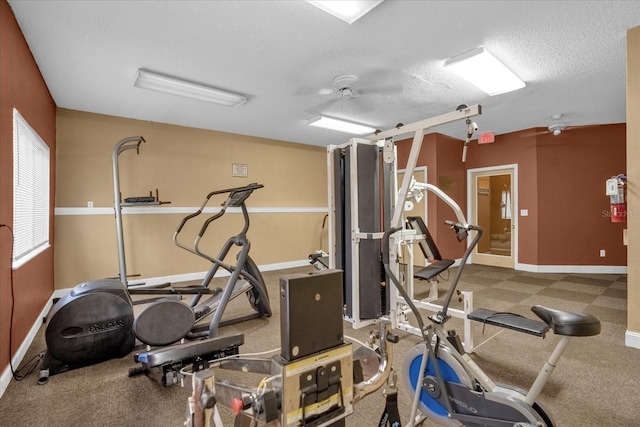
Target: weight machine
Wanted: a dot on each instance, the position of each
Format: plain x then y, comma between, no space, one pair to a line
364,203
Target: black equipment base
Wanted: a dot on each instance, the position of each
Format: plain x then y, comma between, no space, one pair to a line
91,324
164,364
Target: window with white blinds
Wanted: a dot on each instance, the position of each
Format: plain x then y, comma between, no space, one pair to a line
30,192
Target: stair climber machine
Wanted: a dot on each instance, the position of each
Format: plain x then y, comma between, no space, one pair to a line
95,322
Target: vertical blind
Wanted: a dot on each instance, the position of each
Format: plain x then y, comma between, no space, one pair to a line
30,192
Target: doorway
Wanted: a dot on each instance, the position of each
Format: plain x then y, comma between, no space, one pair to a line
493,206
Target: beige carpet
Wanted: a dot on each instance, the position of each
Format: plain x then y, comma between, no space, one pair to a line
596,383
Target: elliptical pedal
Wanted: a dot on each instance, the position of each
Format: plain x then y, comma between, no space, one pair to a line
211,305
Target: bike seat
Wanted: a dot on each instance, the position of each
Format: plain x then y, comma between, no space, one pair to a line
568,323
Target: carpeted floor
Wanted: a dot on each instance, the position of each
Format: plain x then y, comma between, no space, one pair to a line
596,382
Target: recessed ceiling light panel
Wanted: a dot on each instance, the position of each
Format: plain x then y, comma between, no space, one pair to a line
483,70
347,10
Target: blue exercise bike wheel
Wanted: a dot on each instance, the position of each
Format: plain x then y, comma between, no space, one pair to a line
451,371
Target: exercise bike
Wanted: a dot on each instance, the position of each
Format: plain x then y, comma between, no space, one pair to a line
95,322
449,388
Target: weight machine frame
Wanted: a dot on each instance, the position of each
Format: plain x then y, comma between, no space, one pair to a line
348,234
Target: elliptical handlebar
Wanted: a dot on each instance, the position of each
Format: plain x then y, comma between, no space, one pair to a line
247,188
236,198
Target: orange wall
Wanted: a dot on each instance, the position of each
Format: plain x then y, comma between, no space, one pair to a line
573,208
437,154
516,148
22,87
560,182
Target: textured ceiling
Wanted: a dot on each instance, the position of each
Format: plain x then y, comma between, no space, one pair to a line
283,56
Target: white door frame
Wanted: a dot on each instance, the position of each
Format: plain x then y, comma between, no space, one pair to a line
514,199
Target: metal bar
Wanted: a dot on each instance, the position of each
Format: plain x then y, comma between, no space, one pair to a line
331,238
257,366
368,236
119,148
354,228
422,125
546,371
419,128
406,179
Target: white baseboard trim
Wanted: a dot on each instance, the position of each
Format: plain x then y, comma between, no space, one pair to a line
222,273
632,339
7,376
584,269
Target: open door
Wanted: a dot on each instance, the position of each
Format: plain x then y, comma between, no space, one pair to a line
493,208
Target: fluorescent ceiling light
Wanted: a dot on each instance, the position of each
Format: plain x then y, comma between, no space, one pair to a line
340,125
167,84
348,11
483,70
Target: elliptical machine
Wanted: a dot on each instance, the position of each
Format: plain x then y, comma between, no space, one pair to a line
245,277
95,321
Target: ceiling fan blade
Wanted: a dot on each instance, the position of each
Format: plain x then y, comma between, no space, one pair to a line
325,106
576,127
533,133
380,82
313,91
386,89
346,106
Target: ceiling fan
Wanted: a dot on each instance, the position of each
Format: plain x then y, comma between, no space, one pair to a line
346,89
343,86
556,127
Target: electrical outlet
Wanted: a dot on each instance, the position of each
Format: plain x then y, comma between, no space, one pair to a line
90,204
603,253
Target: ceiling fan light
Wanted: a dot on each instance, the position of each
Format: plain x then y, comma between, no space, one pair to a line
347,10
483,70
340,125
167,84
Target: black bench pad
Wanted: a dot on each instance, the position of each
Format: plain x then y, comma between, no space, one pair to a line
509,321
433,269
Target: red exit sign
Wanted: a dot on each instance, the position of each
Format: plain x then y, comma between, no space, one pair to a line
486,138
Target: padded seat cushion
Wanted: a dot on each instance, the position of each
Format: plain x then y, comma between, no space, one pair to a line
568,323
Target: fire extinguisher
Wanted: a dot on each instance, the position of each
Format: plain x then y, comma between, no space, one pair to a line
617,191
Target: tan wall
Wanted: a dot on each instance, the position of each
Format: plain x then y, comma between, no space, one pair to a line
22,87
184,164
633,175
